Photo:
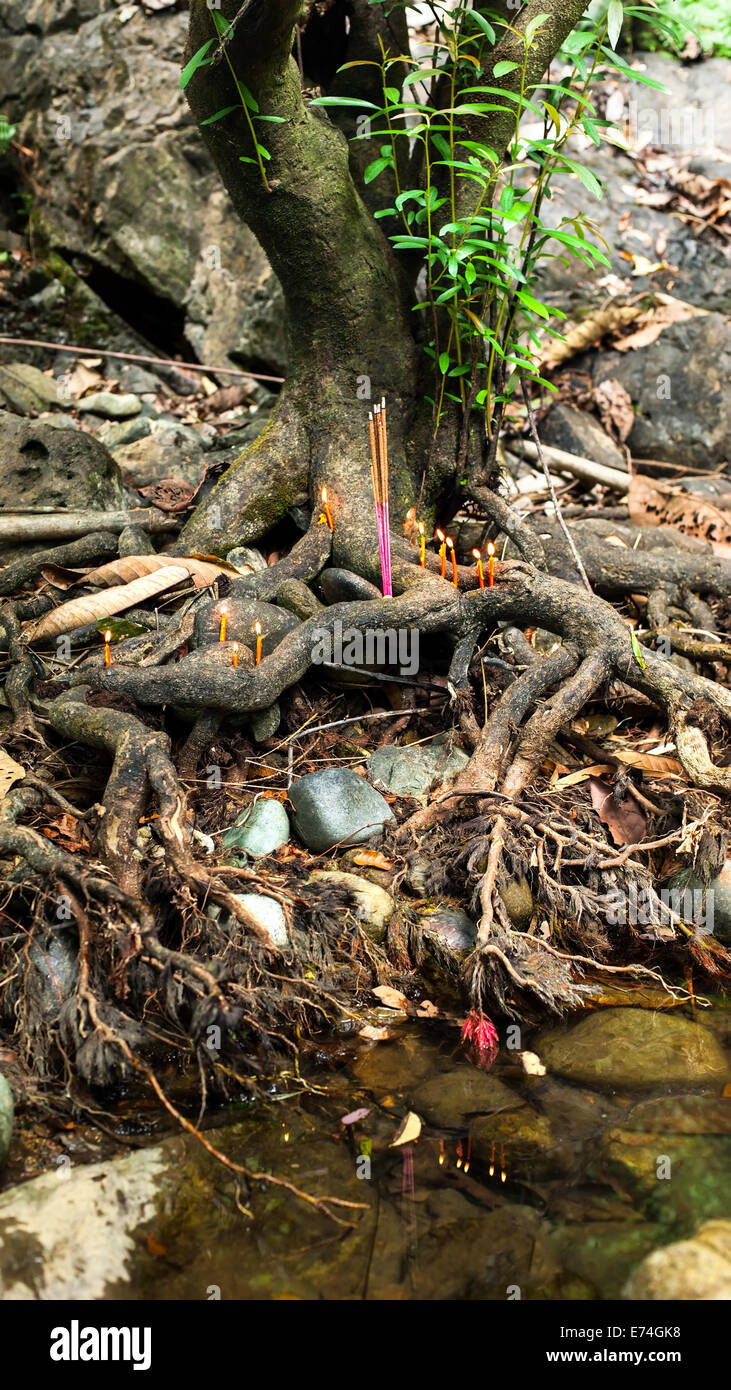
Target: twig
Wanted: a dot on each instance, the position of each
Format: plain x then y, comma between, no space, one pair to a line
137,357
549,480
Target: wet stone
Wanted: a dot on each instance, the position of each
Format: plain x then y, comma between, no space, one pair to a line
342,586
336,806
451,926
374,907
111,405
6,1118
632,1049
241,616
413,770
259,830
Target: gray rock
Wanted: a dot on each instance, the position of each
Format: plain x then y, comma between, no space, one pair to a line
678,388
260,830
451,926
518,902
170,452
269,914
452,1098
241,615
341,586
413,769
6,1118
631,1049
577,432
246,559
336,806
27,390
689,1270
110,405
41,466
115,138
117,433
374,907
134,541
264,723
54,971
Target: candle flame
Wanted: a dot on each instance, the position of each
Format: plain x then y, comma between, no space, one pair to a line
420,525
257,628
476,554
490,548
108,635
440,534
450,542
324,495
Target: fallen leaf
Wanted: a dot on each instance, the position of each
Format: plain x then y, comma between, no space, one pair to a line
154,1247
582,775
10,772
132,567
392,998
657,503
427,1010
532,1064
89,609
648,762
616,411
355,1116
169,494
372,1034
624,819
372,859
408,1131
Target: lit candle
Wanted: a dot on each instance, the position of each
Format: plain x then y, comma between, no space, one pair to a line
222,629
257,629
422,545
490,564
480,571
442,552
107,650
326,509
450,543
235,654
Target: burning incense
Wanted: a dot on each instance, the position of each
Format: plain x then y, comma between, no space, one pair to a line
443,552
326,509
490,564
107,649
450,544
257,629
422,545
379,480
480,571
222,629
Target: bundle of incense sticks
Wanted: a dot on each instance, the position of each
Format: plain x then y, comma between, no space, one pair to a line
379,478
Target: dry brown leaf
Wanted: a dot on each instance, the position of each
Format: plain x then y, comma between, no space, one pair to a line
10,772
131,567
391,998
92,607
408,1131
665,310
656,503
614,403
584,773
170,494
655,763
372,1034
624,820
372,859
578,337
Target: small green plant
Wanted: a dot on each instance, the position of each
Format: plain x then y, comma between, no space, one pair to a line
482,265
8,131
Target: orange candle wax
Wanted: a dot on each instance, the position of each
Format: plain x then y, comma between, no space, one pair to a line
422,545
107,649
222,629
257,629
480,571
450,543
490,565
442,551
326,509
235,655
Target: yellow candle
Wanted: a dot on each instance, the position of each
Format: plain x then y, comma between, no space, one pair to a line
235,655
326,509
257,629
222,629
107,650
422,545
442,552
490,565
480,571
450,543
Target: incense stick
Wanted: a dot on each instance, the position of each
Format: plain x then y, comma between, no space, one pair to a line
379,478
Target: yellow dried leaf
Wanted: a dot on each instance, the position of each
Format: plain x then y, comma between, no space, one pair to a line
135,566
91,607
10,772
408,1131
391,998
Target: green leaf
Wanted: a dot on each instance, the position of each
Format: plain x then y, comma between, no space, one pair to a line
502,68
344,101
198,60
222,25
443,362
615,15
481,22
249,98
588,179
391,94
376,168
226,111
533,304
637,650
535,24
